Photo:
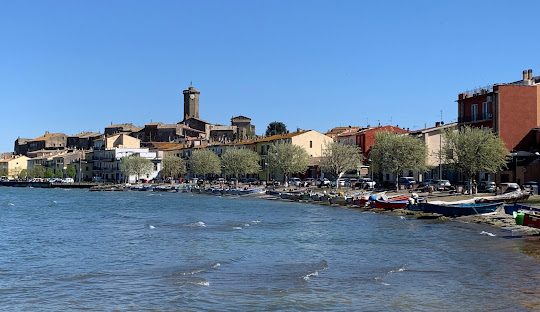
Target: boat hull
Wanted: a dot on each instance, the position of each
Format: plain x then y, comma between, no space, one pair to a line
460,209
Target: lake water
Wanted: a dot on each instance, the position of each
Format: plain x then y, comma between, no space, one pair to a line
137,251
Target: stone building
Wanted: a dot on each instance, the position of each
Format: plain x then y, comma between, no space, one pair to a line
127,128
83,141
48,141
191,103
245,130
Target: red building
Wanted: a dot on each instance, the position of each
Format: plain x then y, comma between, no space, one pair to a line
512,110
365,138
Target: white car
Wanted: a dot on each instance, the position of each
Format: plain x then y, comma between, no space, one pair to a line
67,180
295,181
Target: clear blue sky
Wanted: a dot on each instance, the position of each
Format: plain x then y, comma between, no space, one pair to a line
72,66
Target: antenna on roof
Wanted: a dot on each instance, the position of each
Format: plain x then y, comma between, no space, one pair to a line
191,83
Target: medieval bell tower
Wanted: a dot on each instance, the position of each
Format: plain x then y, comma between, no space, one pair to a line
191,102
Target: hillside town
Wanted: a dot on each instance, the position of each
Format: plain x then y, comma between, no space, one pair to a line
511,110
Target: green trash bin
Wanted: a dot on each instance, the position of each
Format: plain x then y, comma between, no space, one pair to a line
519,218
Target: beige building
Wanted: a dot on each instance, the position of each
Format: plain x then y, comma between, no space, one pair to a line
434,139
13,166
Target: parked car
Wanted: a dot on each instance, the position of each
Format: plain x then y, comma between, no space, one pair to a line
295,181
509,187
323,182
342,182
309,181
487,187
407,181
442,184
67,180
425,183
365,183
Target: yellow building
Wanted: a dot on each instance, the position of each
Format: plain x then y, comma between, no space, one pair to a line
312,141
13,166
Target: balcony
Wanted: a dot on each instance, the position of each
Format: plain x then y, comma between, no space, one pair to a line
474,118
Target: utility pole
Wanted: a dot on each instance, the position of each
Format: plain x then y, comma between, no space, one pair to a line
440,148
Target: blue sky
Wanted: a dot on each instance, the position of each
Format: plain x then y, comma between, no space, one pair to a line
73,66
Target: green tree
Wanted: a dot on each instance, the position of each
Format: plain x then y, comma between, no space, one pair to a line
286,158
173,166
23,173
3,173
59,173
339,158
276,127
71,171
474,150
395,153
36,172
49,173
203,162
240,161
136,165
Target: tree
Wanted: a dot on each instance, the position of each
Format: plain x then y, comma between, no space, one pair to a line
338,158
203,162
23,173
3,173
276,127
240,161
474,150
136,165
173,166
59,173
36,172
286,158
395,153
71,171
49,173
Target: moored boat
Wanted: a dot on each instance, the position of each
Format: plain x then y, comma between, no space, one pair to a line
464,209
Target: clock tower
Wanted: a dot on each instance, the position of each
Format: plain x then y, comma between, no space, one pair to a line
191,102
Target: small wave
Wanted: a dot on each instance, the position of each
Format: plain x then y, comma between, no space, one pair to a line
151,227
55,202
487,233
400,269
310,275
197,224
402,217
204,283
255,222
10,204
385,284
212,266
236,228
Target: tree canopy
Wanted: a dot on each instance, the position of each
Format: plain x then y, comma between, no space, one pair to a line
474,150
286,158
203,162
276,127
36,172
173,166
58,173
395,153
240,161
136,165
338,158
71,171
23,173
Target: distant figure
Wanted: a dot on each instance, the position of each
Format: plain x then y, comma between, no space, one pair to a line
474,189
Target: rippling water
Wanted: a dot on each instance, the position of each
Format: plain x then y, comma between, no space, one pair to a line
133,251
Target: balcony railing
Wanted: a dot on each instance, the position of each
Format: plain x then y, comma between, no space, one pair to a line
479,117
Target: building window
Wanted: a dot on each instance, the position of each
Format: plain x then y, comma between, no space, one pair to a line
474,112
310,144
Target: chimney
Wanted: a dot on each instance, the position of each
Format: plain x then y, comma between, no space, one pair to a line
524,75
529,74
437,124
